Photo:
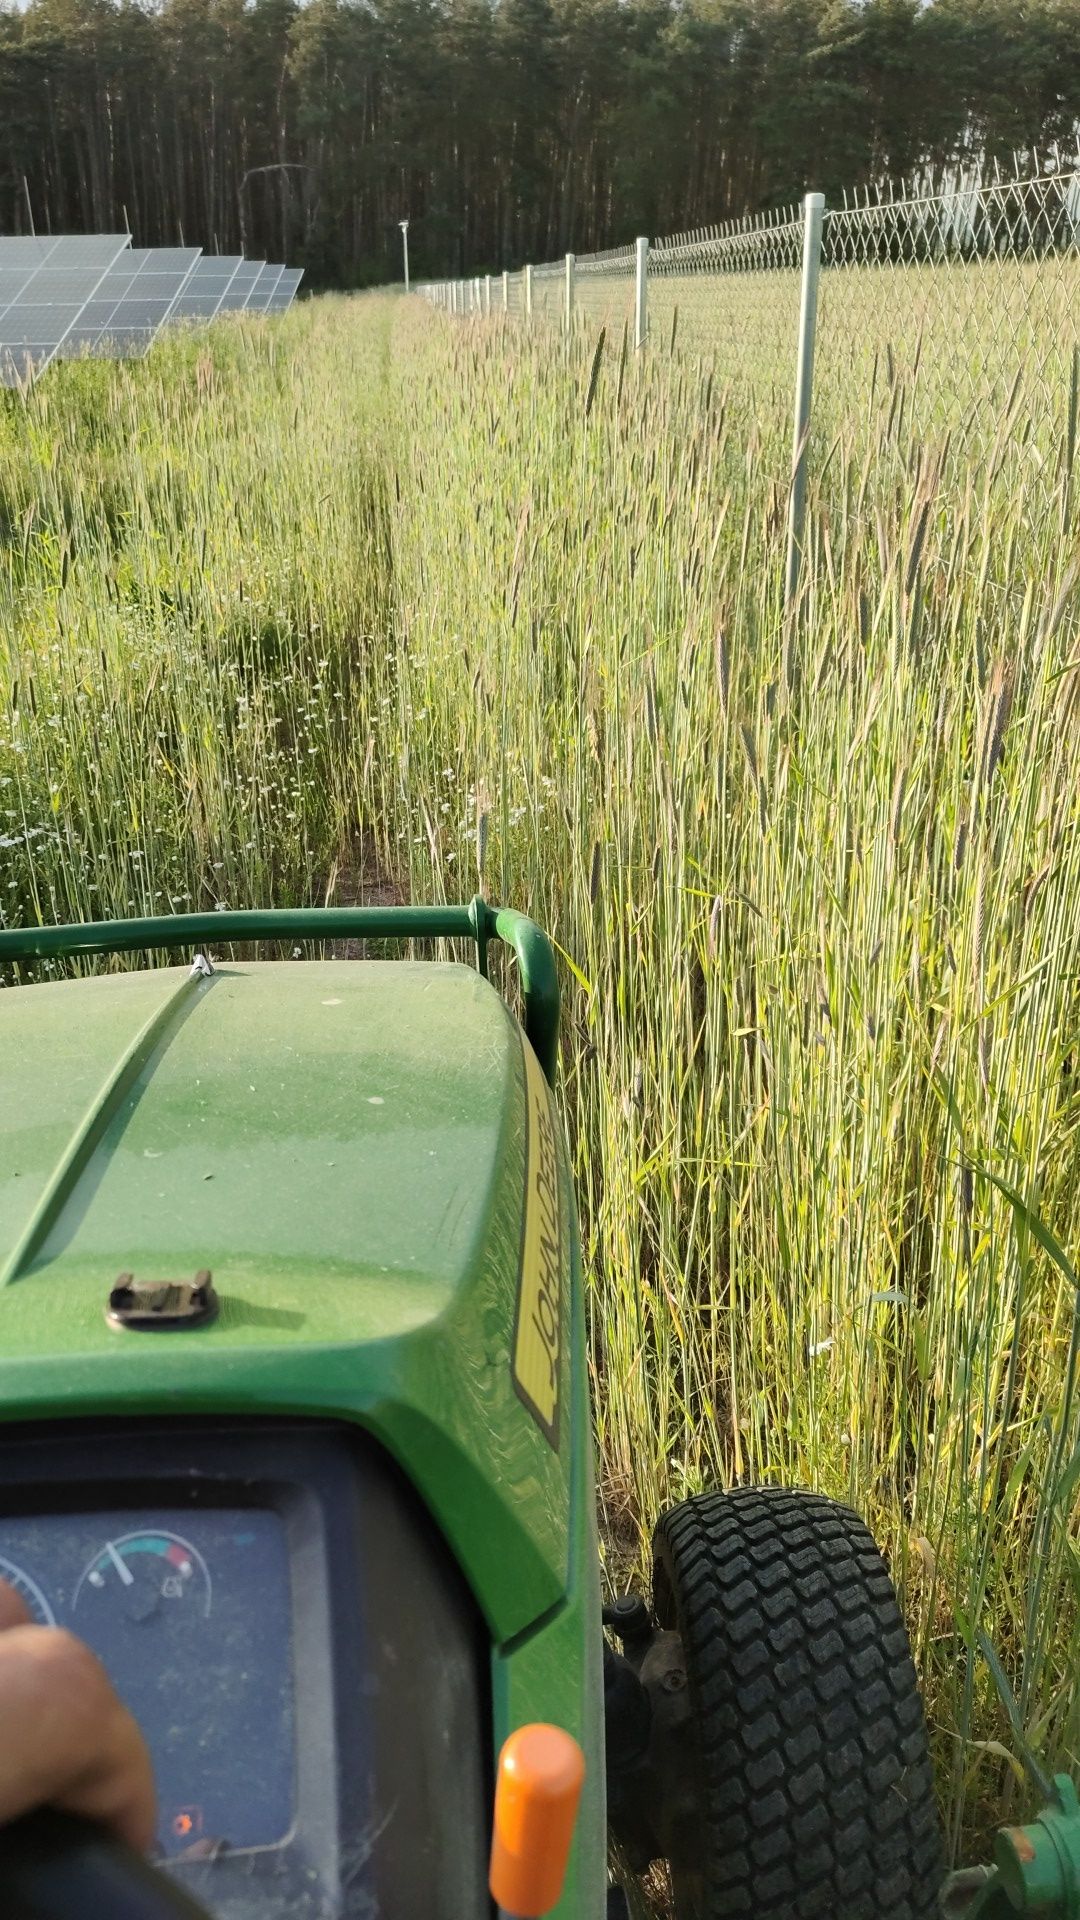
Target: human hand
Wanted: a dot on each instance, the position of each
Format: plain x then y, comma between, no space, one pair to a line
65,1738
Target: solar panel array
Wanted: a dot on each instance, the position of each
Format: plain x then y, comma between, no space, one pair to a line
44,286
72,294
244,282
264,287
285,292
210,280
136,297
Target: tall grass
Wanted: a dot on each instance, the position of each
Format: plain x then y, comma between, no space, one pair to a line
816,881
376,593
194,567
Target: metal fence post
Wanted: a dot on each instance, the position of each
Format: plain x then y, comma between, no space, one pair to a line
569,293
528,293
641,293
813,210
506,291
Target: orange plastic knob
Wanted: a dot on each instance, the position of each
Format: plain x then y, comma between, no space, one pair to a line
541,1769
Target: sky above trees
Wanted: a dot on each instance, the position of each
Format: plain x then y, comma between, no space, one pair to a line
506,132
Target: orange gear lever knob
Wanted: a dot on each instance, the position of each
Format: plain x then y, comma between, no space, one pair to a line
541,1769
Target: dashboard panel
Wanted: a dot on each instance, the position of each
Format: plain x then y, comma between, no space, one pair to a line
168,1600
278,1612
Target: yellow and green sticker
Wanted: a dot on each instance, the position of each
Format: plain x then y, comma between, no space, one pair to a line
537,1361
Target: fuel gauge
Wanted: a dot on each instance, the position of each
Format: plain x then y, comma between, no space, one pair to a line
145,1576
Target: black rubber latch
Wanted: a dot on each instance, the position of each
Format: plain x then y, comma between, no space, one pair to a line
161,1306
629,1618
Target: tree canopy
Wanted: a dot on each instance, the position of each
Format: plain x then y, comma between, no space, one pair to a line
506,130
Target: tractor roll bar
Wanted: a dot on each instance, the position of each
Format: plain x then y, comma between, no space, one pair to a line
478,922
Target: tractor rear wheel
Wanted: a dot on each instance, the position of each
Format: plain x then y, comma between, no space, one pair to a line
816,1787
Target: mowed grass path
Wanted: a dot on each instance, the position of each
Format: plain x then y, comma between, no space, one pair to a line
373,593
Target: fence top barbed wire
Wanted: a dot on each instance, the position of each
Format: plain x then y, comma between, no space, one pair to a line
733,229
1026,217
618,260
958,209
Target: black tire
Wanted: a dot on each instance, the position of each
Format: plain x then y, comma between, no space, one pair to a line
817,1790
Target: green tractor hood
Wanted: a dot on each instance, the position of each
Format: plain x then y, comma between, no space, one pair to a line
344,1147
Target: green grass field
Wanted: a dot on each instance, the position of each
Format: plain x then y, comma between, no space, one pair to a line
374,601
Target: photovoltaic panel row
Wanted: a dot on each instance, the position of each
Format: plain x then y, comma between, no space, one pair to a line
242,287
20,250
70,294
44,287
259,298
285,292
227,283
137,296
48,273
12,283
272,290
45,272
67,249
19,260
210,281
98,313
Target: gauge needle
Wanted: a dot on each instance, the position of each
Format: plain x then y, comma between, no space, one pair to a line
125,1573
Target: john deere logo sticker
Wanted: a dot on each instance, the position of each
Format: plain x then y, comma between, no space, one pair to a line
538,1332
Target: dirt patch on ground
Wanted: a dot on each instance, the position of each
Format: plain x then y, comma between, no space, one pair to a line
358,879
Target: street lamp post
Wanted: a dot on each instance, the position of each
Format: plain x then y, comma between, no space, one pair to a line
404,225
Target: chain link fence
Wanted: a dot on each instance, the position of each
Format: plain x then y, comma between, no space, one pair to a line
547,291
951,310
604,287
964,303
732,293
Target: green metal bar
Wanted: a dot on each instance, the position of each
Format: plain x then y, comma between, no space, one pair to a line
539,981
477,922
478,915
275,923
